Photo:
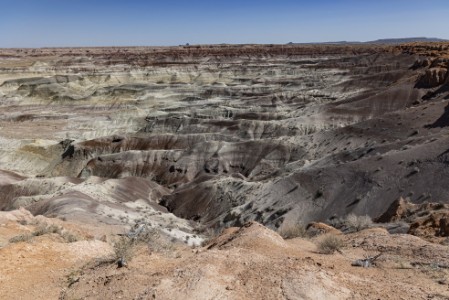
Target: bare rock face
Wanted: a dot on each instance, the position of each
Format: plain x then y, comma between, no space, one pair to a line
398,210
427,220
223,135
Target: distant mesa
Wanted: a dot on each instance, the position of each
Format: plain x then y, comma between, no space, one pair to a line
406,40
391,41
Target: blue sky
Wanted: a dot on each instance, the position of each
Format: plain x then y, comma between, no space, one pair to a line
50,23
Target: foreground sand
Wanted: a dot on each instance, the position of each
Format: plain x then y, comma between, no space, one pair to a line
251,262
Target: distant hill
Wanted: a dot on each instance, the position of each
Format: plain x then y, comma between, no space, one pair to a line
405,40
382,41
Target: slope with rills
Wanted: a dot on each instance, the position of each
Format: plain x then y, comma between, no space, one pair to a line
231,133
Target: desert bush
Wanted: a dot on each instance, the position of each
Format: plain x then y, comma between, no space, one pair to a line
46,229
329,244
290,231
163,245
20,238
357,223
153,238
69,237
124,250
351,223
54,229
148,236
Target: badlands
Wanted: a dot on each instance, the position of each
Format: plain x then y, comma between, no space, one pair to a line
218,172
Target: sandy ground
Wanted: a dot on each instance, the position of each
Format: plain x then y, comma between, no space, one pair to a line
251,262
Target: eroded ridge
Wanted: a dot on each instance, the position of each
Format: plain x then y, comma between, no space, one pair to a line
223,135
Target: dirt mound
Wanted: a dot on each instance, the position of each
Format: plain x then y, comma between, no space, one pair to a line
40,252
251,262
318,228
251,235
21,215
242,263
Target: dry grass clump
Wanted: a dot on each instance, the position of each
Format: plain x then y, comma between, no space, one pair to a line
292,230
124,250
158,242
329,244
357,223
20,238
48,229
69,237
123,247
352,223
43,229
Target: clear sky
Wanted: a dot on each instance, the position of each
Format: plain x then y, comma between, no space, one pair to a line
50,23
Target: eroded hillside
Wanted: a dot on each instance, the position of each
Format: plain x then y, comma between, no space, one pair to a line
223,134
171,145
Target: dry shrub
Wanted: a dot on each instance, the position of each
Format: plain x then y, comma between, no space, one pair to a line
329,244
23,222
290,231
46,229
155,240
351,223
20,238
124,249
357,223
69,237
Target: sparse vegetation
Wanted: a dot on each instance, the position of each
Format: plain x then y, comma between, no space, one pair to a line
329,244
141,234
20,238
357,223
46,229
147,236
290,231
155,240
43,229
124,250
23,222
351,223
69,237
